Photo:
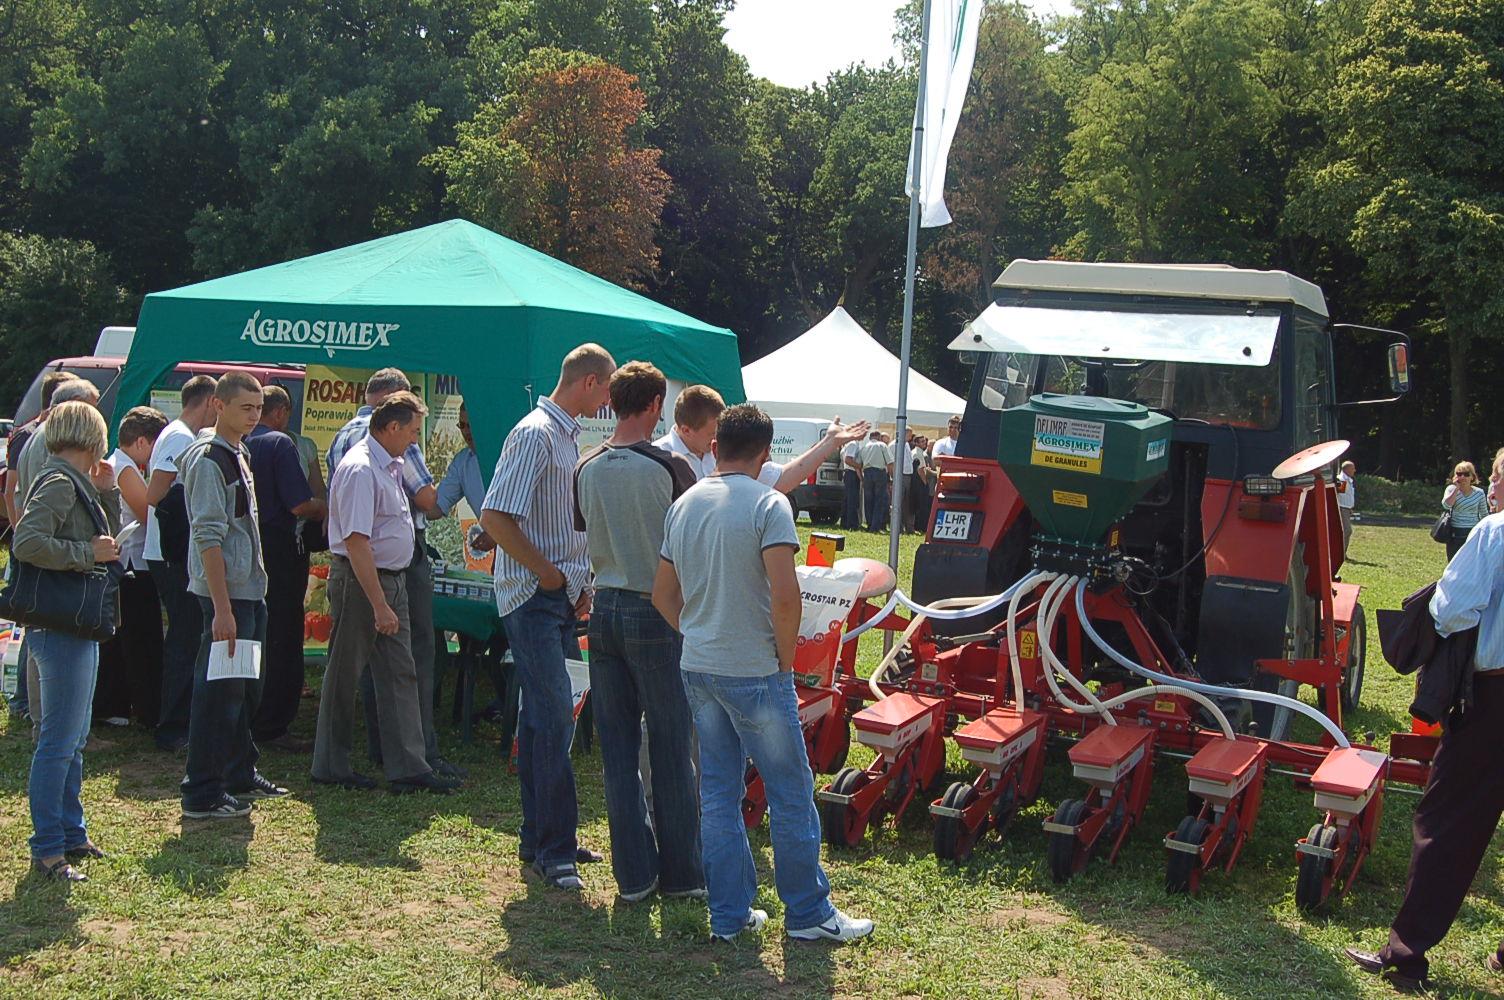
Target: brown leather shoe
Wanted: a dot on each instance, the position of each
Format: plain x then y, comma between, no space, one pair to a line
1371,963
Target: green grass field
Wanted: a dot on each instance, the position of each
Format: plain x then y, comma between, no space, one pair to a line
345,894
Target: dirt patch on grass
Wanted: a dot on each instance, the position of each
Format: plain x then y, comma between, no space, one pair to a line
1009,917
1052,988
116,933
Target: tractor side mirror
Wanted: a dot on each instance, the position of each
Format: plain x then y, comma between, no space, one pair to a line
1399,368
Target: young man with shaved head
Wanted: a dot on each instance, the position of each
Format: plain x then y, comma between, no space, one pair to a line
542,588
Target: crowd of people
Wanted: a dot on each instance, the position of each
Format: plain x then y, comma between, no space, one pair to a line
869,469
680,552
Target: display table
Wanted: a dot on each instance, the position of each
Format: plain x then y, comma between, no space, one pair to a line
465,603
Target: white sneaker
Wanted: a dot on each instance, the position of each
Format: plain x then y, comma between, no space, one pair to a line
839,927
755,921
637,897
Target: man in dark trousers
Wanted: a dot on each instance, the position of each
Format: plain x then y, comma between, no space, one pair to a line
1464,798
623,489
227,577
283,495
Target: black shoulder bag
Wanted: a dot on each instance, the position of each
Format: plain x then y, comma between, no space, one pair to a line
85,604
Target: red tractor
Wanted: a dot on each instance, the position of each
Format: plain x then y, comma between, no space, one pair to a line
1194,544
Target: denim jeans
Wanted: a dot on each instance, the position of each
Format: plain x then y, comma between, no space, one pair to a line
875,496
19,702
541,634
68,667
634,672
757,717
185,629
221,755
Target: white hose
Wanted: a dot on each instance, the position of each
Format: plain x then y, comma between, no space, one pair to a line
941,610
1213,690
919,619
1049,606
1025,586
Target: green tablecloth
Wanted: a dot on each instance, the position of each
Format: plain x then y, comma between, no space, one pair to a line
474,618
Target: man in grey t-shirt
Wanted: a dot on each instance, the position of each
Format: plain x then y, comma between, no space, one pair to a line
727,582
622,490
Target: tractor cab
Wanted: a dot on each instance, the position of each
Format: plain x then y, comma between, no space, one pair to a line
1241,364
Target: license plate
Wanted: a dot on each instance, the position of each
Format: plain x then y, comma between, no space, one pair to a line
952,525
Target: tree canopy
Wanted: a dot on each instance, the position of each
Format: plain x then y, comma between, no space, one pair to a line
1354,142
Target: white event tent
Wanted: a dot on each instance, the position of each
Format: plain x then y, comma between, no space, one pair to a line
836,368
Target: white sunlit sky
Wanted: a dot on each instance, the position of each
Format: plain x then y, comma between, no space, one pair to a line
799,42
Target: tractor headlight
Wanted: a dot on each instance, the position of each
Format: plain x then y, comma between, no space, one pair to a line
1263,486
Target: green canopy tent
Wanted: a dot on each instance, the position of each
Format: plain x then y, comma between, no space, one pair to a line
451,298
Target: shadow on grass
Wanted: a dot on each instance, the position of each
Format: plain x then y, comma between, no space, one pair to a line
557,940
38,914
369,828
204,855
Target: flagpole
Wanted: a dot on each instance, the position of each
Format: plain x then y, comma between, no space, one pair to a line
900,446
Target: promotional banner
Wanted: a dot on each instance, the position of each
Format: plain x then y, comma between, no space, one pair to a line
953,29
331,397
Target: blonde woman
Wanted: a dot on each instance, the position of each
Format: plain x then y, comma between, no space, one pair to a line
1467,502
57,531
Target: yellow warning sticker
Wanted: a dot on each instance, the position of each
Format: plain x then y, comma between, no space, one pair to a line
1028,645
1066,499
1168,707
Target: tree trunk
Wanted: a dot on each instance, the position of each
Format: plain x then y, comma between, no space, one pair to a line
1457,359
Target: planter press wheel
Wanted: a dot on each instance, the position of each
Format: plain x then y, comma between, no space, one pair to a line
1357,657
1314,882
953,842
1061,852
842,823
1005,807
1180,868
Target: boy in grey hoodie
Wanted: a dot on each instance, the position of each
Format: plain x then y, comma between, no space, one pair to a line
226,574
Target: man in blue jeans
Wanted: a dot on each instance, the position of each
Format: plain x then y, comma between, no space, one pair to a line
542,587
726,580
622,491
227,575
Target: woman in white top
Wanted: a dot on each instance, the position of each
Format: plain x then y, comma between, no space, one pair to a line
1467,502
130,665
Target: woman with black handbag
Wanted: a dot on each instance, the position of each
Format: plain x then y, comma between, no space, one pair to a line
67,526
1467,504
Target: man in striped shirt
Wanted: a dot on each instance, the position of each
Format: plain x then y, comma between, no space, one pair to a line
542,587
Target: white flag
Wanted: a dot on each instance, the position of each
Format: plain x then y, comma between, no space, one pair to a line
952,48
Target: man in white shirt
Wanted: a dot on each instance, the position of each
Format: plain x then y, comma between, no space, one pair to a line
695,414
185,625
946,446
1347,499
877,473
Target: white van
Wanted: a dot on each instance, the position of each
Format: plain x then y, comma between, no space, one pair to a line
822,494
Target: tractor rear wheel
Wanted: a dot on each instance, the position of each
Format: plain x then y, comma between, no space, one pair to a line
1357,657
842,823
953,841
1313,883
1181,868
1061,852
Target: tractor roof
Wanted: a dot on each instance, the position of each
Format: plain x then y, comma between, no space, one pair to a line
1189,281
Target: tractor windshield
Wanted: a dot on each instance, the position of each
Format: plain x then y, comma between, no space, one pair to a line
1239,395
